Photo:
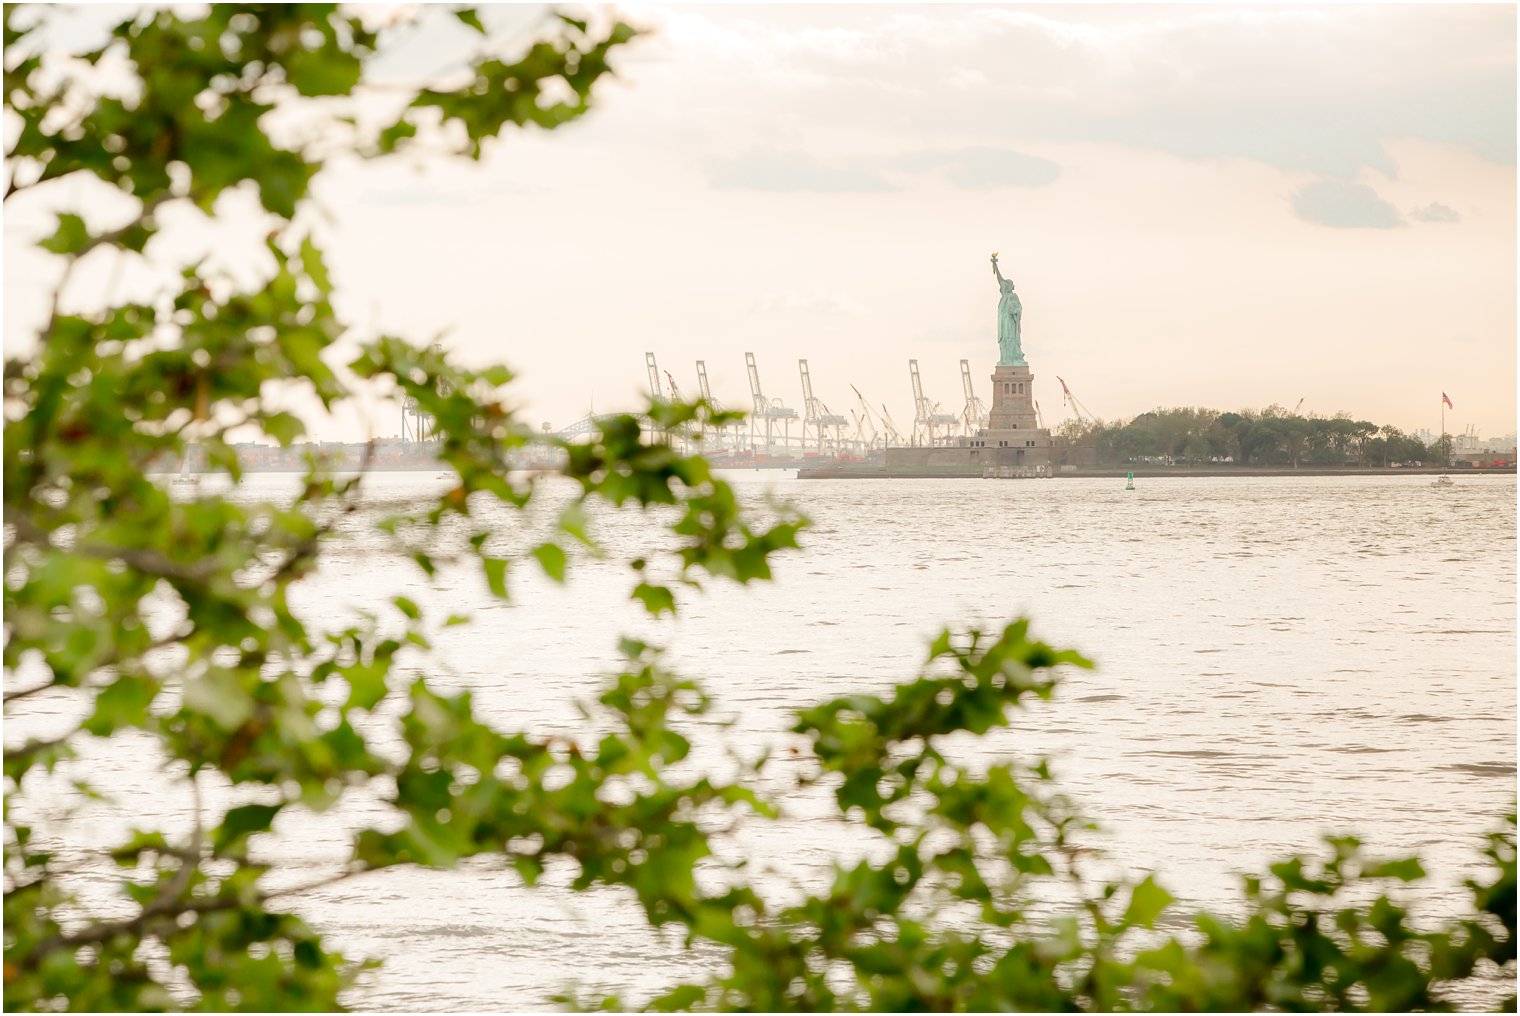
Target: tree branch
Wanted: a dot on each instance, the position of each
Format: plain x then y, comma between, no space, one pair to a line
111,659
167,908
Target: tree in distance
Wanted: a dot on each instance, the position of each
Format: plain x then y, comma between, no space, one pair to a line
162,621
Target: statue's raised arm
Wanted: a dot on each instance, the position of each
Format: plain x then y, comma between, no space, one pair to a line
996,273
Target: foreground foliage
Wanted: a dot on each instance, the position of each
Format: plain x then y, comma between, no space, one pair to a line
164,622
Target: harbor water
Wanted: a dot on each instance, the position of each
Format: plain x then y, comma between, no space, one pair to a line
1277,658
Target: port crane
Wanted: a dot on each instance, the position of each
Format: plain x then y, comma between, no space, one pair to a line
863,420
817,415
974,415
654,376
703,387
1083,414
894,436
771,411
655,392
728,434
926,421
861,440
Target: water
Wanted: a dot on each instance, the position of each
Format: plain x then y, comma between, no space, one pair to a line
1277,658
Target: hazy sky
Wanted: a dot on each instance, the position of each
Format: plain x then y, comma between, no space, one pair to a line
1205,205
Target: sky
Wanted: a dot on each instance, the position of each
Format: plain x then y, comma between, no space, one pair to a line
1206,205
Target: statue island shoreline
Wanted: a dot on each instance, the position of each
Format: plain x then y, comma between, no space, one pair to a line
866,472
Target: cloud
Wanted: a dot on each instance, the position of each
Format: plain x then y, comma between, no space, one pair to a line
1435,212
1320,90
1344,205
813,301
791,171
983,168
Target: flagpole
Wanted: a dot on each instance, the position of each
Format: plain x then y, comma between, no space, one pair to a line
1444,450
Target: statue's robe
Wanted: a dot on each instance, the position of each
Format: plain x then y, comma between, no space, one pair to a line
1010,321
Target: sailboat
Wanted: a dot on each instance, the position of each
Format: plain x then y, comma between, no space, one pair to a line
184,476
1444,480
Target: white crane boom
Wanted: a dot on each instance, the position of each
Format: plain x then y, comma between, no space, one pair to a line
809,404
654,376
974,415
754,383
703,387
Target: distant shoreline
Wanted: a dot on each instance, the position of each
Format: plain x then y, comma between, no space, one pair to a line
865,473
1152,472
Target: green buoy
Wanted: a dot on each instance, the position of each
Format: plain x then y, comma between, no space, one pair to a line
1129,484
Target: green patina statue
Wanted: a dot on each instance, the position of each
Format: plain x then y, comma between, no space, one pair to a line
1010,317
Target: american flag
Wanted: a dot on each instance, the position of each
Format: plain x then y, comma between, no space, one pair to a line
1447,399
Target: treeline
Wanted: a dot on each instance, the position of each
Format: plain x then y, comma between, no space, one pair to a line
1267,437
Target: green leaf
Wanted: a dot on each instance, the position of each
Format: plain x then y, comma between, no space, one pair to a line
685,997
241,822
124,703
470,17
496,575
326,71
656,599
1146,903
1406,869
284,428
312,264
551,557
70,236
573,521
393,135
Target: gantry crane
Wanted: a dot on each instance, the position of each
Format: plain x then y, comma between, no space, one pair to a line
654,390
769,410
683,436
654,376
424,427
927,421
727,434
817,415
974,415
921,410
702,385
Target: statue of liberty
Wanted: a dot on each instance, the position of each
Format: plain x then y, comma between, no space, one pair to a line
1010,317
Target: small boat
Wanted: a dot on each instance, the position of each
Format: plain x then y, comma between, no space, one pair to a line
1443,481
184,476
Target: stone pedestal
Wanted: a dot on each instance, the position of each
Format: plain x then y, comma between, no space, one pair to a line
1013,443
1012,400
